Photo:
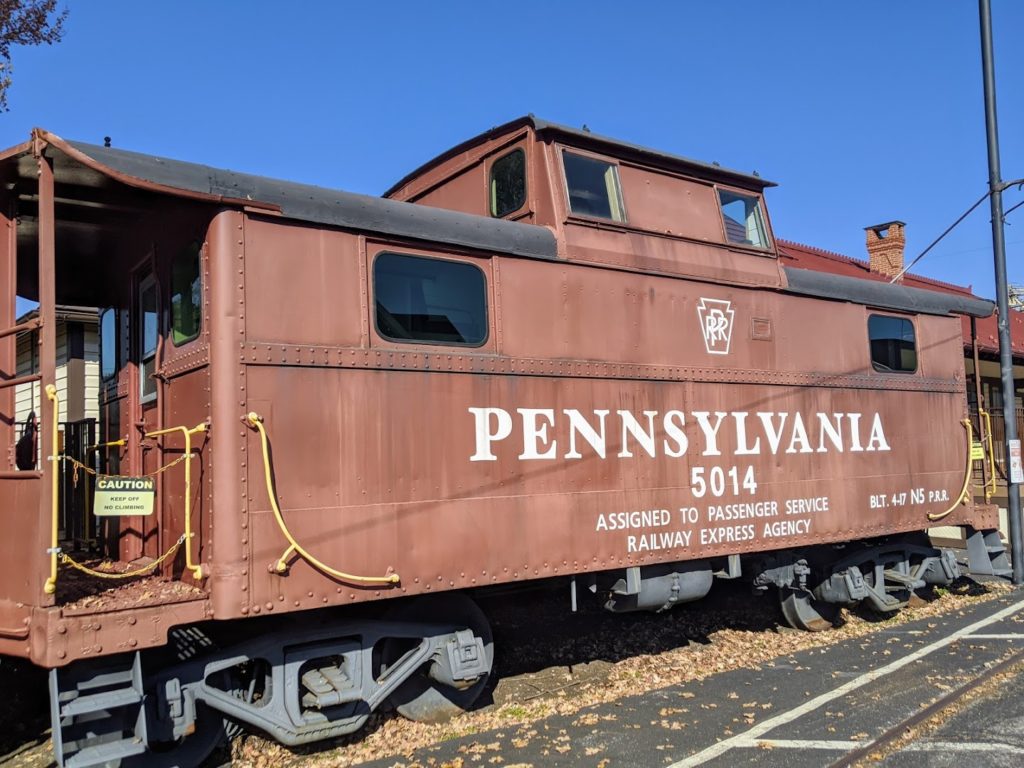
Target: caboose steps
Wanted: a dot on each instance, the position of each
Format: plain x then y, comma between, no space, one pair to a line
986,554
97,712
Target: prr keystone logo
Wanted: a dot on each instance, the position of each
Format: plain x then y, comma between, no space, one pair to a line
716,324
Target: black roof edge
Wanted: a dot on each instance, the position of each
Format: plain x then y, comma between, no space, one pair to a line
594,140
320,205
873,293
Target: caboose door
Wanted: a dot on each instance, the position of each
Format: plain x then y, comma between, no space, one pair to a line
144,335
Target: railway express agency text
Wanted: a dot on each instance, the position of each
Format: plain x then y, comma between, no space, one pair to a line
719,524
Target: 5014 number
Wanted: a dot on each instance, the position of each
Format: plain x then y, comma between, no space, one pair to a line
719,481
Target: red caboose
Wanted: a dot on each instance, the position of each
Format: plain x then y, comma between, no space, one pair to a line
329,418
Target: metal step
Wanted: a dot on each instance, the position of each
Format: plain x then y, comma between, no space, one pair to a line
97,712
102,754
986,555
98,702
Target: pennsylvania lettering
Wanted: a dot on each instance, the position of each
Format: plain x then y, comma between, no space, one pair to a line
546,434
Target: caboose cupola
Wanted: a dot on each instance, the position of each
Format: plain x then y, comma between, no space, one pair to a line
610,202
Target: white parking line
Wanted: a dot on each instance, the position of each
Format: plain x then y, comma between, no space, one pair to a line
753,734
998,637
835,746
962,746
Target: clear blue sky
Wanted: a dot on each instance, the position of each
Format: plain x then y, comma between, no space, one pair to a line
863,112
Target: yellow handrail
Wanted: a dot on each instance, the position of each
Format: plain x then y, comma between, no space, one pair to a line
55,555
294,547
989,492
967,475
51,583
197,570
111,444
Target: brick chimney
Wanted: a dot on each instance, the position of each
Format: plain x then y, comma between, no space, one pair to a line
885,248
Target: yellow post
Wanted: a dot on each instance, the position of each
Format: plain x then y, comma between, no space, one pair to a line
990,490
197,570
51,583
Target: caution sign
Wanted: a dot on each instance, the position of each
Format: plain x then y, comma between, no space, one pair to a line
121,496
977,451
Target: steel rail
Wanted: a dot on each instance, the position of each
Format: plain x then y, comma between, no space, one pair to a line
897,731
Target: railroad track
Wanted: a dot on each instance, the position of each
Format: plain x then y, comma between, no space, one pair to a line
940,705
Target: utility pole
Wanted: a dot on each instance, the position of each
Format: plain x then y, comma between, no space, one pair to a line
996,186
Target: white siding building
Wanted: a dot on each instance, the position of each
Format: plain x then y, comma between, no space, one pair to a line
78,367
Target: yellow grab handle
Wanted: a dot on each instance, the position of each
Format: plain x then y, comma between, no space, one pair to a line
294,547
967,474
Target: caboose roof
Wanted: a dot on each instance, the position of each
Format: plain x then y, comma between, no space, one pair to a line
92,179
584,139
85,167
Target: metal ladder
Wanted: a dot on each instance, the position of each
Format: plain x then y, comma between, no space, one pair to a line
98,712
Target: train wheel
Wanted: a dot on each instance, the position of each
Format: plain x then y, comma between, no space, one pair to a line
802,611
421,698
212,730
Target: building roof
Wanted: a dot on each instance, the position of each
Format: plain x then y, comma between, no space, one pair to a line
65,312
820,260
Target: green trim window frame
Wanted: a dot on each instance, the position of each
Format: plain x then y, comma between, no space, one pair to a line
506,186
743,219
892,344
428,300
186,295
592,187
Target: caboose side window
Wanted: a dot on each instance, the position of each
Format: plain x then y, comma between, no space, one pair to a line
508,183
427,300
741,215
108,344
147,341
186,295
893,348
593,187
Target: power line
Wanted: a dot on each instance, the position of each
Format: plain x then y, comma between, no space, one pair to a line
1018,182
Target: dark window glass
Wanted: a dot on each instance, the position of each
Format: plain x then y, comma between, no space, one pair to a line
147,338
742,217
76,341
593,187
186,295
508,183
892,344
420,299
108,343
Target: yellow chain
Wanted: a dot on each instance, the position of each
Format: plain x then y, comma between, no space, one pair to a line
66,559
85,468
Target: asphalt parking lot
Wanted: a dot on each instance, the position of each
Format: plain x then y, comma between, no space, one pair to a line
813,708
